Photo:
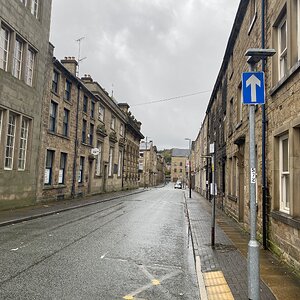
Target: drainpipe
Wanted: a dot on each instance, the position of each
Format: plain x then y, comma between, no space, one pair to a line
73,192
264,124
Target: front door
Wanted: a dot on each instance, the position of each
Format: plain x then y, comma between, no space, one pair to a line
241,176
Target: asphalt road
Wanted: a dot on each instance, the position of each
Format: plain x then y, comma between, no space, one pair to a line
136,247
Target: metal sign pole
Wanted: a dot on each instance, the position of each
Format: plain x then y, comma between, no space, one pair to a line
253,245
213,206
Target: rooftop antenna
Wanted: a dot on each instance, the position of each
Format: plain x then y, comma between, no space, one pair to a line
79,59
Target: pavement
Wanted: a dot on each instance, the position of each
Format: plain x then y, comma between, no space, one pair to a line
222,271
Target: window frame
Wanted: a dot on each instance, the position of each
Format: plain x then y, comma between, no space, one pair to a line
283,200
62,168
1,122
10,146
83,132
81,169
120,163
23,144
18,58
34,8
113,122
85,104
99,159
110,161
49,168
101,111
91,137
29,69
65,127
93,104
6,46
55,82
53,116
68,89
282,54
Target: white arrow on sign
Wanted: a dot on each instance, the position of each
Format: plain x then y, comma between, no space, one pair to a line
253,81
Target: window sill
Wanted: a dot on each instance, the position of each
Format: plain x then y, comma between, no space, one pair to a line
87,145
232,198
54,187
59,135
286,219
55,93
238,125
68,101
286,77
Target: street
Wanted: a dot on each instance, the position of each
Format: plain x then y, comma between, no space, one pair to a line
134,247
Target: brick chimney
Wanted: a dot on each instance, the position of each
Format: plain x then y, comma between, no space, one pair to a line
87,78
70,63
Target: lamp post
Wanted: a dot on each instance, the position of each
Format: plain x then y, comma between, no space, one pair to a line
255,55
190,173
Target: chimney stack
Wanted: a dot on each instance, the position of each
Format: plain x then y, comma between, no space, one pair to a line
70,63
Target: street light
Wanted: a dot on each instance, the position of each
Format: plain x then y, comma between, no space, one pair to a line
255,55
190,175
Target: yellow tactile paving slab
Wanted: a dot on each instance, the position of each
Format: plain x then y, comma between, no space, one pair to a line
216,286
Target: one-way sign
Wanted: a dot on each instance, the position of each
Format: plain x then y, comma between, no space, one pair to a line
253,86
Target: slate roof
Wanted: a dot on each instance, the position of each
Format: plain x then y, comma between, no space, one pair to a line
180,152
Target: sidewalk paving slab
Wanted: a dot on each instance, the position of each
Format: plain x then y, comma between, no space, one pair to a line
230,254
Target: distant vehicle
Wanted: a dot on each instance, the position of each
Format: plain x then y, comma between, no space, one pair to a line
178,185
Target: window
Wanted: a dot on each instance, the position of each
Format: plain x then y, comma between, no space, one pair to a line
85,103
101,113
68,87
175,170
84,131
91,134
53,113
180,171
65,129
17,60
4,48
55,77
180,164
10,142
110,164
23,144
282,47
49,167
122,129
99,159
81,169
62,168
92,109
35,7
284,174
113,122
1,118
29,67
120,163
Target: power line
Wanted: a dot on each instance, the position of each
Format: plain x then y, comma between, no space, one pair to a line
173,98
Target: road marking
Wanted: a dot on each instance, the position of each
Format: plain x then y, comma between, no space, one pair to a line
128,297
102,256
155,282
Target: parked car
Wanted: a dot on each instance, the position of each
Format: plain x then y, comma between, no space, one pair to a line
178,185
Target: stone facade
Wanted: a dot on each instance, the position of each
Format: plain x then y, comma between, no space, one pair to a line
151,166
179,170
23,59
282,208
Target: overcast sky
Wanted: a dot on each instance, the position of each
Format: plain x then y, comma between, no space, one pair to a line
149,50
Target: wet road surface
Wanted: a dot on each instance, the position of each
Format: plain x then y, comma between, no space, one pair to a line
135,247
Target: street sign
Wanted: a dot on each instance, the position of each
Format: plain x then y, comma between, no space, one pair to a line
253,86
212,148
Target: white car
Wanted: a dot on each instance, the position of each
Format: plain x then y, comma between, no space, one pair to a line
178,185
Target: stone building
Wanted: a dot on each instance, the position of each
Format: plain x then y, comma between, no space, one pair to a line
84,136
24,42
277,125
68,134
132,140
178,161
151,165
